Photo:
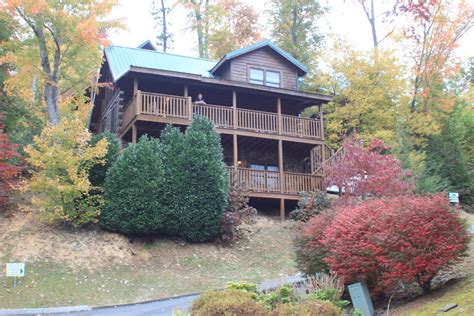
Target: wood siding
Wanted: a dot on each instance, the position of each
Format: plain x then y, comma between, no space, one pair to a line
263,58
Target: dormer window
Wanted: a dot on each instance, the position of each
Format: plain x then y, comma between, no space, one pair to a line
264,77
272,78
257,76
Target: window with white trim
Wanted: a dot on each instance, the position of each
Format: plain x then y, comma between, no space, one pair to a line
264,77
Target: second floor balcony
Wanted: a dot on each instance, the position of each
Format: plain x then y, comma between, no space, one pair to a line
180,110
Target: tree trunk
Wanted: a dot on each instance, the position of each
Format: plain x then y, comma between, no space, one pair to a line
165,29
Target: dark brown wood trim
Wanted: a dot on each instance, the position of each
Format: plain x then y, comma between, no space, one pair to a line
310,97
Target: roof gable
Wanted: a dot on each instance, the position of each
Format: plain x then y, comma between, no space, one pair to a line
302,69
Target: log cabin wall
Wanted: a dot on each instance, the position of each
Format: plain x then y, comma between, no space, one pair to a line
264,58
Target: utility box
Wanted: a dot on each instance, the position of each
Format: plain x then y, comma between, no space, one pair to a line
360,298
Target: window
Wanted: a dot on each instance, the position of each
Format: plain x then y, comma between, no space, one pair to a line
264,77
256,76
272,79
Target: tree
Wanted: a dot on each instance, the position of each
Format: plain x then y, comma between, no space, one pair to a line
160,13
368,172
435,34
387,13
408,239
237,27
98,171
293,25
201,16
8,169
450,162
68,37
367,95
204,188
61,158
133,190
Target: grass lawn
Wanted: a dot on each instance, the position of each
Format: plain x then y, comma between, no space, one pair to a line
97,268
461,293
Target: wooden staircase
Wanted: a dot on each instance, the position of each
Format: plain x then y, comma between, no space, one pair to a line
322,156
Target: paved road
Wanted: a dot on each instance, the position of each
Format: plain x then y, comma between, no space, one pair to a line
158,308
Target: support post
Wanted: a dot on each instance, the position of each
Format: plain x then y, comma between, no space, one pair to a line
134,134
321,121
279,115
280,165
186,90
234,108
236,153
190,108
282,210
135,86
138,102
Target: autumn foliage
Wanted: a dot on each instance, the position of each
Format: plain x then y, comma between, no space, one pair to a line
7,169
368,171
384,241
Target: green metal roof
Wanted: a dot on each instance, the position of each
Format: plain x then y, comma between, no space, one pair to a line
121,59
303,69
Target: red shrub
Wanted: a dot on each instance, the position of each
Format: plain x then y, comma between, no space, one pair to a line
363,172
7,170
386,240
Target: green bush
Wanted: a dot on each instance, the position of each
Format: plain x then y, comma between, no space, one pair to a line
203,182
98,172
227,302
308,308
132,189
243,286
176,186
283,295
309,204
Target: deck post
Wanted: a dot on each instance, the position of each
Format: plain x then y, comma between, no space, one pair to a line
282,210
279,115
234,108
135,86
280,165
134,133
321,121
186,90
236,153
138,102
190,108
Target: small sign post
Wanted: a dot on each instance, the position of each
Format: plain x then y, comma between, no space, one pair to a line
15,269
453,197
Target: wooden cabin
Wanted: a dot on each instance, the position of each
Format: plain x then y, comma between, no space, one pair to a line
252,95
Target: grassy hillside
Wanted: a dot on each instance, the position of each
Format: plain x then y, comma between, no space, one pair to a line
100,268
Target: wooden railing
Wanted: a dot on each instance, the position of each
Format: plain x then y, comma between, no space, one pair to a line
269,181
299,126
257,121
298,182
223,116
319,161
163,105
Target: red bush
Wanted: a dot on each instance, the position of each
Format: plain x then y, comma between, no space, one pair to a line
383,241
368,171
7,170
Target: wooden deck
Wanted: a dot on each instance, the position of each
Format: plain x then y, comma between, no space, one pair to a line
262,183
180,110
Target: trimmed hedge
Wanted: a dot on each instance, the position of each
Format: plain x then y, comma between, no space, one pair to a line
176,186
98,172
131,190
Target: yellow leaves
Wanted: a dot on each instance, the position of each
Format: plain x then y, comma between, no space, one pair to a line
61,158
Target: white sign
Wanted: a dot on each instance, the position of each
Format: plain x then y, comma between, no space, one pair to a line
16,269
453,197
